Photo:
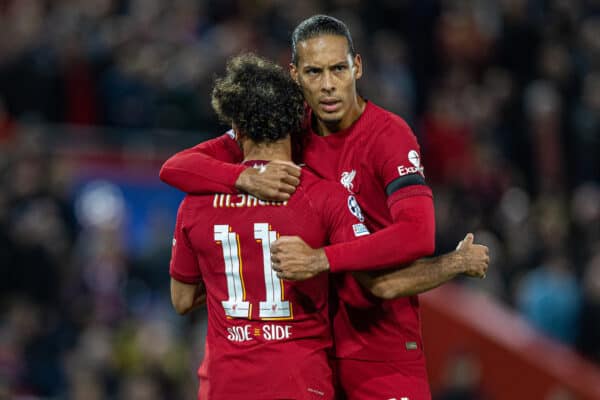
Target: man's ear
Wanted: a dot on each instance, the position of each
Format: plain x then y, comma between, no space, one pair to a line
357,67
294,72
236,132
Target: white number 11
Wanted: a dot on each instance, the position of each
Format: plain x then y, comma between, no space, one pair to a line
236,306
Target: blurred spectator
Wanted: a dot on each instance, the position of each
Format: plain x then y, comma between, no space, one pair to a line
590,324
550,299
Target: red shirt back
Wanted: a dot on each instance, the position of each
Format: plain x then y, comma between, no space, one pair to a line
268,338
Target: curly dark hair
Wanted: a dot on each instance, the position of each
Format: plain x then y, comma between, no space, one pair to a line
259,98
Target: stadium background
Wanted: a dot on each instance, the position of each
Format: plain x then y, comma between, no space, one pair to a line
94,94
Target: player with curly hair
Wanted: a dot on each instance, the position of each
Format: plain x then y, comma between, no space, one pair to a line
267,338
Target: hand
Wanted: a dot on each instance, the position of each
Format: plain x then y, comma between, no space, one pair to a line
277,181
294,260
474,258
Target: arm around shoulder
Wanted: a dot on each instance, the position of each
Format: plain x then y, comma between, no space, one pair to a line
468,259
209,167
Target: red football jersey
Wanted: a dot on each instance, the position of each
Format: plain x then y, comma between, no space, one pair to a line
268,338
378,160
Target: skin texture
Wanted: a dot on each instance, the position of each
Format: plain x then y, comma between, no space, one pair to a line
277,182
327,74
469,259
186,297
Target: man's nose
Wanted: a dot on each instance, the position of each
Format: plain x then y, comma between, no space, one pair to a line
328,84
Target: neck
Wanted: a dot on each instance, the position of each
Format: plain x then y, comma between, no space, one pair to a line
327,128
280,150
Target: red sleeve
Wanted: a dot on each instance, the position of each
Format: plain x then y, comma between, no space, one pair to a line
184,263
396,156
209,167
397,164
410,237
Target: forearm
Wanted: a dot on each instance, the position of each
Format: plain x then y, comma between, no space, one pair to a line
210,167
199,298
418,277
207,175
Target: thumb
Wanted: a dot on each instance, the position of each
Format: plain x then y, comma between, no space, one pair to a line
468,240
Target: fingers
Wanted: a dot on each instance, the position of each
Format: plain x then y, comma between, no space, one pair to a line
286,163
290,276
291,180
286,167
286,188
478,260
276,263
292,169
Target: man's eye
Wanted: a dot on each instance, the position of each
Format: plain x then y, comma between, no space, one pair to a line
312,71
340,67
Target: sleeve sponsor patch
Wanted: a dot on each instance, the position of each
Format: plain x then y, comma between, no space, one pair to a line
414,168
360,230
411,174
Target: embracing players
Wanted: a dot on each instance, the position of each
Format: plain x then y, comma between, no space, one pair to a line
375,157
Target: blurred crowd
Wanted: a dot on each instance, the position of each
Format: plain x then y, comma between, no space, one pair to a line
504,97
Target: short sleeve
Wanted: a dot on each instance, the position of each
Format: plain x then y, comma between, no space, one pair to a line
397,159
184,265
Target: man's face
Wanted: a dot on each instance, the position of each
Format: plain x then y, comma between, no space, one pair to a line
327,74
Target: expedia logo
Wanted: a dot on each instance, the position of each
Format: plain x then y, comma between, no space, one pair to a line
415,168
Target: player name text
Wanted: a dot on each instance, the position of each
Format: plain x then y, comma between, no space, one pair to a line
242,200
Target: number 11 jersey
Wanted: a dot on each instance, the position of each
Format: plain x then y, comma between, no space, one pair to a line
268,338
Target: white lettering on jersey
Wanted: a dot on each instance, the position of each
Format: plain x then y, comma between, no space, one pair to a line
416,168
355,208
269,332
239,333
276,332
347,178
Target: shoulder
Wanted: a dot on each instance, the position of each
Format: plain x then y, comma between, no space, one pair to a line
321,193
227,138
192,204
389,137
387,125
319,189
